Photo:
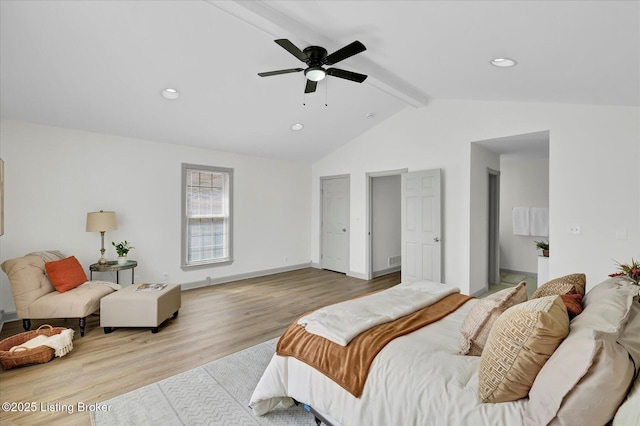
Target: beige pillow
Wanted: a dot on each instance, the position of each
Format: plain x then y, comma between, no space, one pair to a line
629,338
574,283
476,326
520,342
583,383
587,377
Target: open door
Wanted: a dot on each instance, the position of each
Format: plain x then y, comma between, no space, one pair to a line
421,226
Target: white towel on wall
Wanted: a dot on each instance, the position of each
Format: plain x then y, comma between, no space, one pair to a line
539,219
520,218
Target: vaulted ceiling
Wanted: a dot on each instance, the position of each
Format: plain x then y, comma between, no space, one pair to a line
100,65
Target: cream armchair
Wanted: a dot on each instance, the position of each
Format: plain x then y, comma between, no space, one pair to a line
36,298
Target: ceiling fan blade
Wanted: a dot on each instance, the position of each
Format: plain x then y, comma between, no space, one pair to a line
311,86
347,75
344,53
287,71
291,48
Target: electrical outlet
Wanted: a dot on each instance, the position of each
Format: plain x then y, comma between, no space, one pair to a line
165,276
574,229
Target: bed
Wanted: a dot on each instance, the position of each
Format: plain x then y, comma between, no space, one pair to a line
422,378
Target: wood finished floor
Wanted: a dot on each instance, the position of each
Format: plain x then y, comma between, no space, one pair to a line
214,321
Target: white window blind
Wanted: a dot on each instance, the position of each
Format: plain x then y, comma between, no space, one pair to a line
206,215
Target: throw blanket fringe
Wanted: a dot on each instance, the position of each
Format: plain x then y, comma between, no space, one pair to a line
342,322
349,366
62,342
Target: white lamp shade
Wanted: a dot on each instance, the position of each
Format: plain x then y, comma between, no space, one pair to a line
101,221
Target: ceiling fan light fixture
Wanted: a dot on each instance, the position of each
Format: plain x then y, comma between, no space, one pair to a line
170,94
315,73
504,62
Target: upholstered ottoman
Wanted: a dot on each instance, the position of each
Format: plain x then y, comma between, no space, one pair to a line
130,308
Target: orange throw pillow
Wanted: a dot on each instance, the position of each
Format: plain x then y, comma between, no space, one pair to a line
573,303
65,274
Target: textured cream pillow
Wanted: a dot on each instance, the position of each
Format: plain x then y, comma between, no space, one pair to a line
477,325
520,342
574,283
587,377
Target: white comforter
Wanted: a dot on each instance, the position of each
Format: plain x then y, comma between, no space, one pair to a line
342,322
417,379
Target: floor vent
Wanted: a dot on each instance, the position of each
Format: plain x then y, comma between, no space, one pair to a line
394,261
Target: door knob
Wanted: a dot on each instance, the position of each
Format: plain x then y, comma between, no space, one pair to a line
436,239
344,229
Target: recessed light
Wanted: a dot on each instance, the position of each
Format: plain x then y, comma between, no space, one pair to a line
297,127
504,62
170,94
370,115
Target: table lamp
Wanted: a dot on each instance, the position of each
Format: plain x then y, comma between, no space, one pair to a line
100,222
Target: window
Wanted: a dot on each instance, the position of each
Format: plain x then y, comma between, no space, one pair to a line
206,215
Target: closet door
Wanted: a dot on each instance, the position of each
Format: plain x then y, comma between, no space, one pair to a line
335,224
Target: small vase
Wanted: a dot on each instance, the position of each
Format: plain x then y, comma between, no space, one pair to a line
122,260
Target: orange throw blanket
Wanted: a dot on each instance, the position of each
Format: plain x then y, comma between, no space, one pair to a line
349,365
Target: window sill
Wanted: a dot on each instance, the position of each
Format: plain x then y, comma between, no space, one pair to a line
202,265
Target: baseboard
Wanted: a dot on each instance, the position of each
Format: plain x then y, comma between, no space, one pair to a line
387,271
511,271
215,281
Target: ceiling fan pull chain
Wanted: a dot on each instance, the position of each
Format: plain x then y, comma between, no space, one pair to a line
326,93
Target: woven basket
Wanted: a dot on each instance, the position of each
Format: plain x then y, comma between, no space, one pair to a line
24,356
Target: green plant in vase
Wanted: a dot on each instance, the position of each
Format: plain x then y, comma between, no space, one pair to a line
544,246
122,249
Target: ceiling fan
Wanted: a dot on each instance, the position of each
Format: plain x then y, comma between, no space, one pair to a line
315,57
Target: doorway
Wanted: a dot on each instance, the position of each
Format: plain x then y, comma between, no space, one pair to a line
523,162
416,250
383,243
493,228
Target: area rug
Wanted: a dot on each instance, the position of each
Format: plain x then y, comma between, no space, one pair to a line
213,394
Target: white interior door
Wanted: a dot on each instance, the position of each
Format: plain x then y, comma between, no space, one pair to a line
421,223
335,224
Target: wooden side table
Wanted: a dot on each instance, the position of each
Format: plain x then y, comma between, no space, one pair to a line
113,265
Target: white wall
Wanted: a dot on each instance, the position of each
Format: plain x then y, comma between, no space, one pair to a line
594,177
54,176
523,183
